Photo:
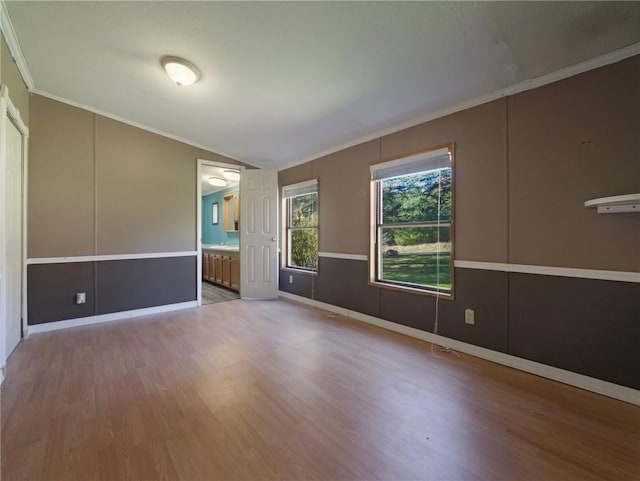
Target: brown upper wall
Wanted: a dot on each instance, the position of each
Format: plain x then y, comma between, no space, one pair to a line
98,186
524,166
11,77
571,141
343,194
145,191
296,174
61,183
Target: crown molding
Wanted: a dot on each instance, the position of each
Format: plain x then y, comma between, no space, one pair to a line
13,45
529,84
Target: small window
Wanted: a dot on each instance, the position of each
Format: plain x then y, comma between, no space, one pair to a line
412,217
301,214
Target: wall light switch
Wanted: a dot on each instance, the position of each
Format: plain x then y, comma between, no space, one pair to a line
469,316
290,279
81,297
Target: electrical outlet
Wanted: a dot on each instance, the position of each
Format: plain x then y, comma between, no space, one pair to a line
81,297
290,279
469,316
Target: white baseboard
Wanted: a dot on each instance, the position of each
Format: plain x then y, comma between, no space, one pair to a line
598,386
115,316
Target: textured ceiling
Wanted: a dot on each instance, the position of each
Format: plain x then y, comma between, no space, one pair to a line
285,81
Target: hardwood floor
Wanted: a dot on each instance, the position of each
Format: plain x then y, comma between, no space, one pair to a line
273,390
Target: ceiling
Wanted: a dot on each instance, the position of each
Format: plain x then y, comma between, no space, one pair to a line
211,171
284,82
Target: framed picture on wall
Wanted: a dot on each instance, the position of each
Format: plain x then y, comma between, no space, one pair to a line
214,216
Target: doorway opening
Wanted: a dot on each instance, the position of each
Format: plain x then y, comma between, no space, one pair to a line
218,232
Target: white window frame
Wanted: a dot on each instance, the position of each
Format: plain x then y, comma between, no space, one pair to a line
427,160
288,193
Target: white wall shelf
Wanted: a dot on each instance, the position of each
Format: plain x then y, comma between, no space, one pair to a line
616,204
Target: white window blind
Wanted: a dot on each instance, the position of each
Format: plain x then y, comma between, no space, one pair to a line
301,188
434,159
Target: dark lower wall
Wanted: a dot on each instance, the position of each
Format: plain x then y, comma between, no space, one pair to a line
51,290
343,283
586,326
111,286
298,283
583,325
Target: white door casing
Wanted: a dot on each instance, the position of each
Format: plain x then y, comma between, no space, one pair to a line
259,234
202,163
14,136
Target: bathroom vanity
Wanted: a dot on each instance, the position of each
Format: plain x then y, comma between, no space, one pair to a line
221,265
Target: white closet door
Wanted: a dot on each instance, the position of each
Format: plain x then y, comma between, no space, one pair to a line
13,217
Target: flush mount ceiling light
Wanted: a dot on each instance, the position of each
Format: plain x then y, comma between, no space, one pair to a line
217,181
231,175
180,70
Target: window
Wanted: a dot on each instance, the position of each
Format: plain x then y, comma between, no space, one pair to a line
412,222
301,214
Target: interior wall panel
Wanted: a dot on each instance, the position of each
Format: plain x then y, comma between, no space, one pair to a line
61,180
343,283
408,309
486,293
110,286
582,325
146,191
343,198
296,174
571,141
295,282
52,289
139,283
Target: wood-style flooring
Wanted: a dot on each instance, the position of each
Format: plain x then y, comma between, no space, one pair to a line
212,294
258,390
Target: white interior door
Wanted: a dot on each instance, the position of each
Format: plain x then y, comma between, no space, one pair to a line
13,225
259,234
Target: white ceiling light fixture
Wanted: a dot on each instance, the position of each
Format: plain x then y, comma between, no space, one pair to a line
217,181
231,175
181,71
